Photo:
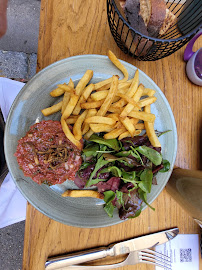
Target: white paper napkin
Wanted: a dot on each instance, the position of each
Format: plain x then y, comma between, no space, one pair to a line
183,251
12,203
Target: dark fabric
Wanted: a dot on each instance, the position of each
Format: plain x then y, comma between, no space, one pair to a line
3,167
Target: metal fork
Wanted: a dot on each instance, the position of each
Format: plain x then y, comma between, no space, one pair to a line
143,256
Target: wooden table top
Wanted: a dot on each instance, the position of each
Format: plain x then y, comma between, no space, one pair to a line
77,27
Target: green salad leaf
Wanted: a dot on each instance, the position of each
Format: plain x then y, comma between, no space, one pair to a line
112,143
119,196
146,180
137,213
151,154
143,197
91,150
113,169
110,156
166,166
99,164
109,196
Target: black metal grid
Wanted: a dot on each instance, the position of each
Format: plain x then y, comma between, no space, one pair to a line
141,47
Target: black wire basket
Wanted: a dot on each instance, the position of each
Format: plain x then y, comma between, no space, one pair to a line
146,48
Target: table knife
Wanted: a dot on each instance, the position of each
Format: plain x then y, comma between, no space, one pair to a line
139,243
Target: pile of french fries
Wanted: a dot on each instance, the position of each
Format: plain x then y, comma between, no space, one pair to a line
119,108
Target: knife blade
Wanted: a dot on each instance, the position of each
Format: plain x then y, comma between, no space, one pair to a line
124,247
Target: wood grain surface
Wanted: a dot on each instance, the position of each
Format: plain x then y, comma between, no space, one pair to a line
77,27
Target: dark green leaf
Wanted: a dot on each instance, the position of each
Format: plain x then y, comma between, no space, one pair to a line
112,143
91,150
113,169
151,154
119,196
123,153
100,163
137,213
143,197
126,160
166,166
129,175
109,209
136,154
94,181
109,196
84,165
146,180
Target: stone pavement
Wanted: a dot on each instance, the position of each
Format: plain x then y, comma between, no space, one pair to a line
11,243
17,64
23,26
18,58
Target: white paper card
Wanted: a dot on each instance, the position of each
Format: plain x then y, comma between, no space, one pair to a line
183,251
12,202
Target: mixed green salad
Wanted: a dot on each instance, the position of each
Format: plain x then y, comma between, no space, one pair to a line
123,171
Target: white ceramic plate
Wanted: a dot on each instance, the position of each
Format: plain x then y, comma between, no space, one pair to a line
26,110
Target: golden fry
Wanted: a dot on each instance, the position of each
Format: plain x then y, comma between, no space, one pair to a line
148,92
53,109
124,85
113,106
119,65
99,95
83,82
128,124
100,120
129,100
70,106
66,96
127,134
65,101
108,100
150,130
115,116
106,83
83,193
57,92
88,134
72,119
69,135
140,126
114,110
134,121
114,133
86,126
146,101
104,87
131,91
86,93
77,126
88,90
65,87
136,97
92,105
148,117
101,128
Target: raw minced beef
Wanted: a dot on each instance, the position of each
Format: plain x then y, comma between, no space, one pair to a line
46,155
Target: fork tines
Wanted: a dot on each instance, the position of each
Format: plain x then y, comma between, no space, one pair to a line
154,257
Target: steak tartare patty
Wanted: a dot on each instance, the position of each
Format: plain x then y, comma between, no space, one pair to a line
46,155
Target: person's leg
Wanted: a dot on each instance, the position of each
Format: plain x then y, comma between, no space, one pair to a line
3,17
